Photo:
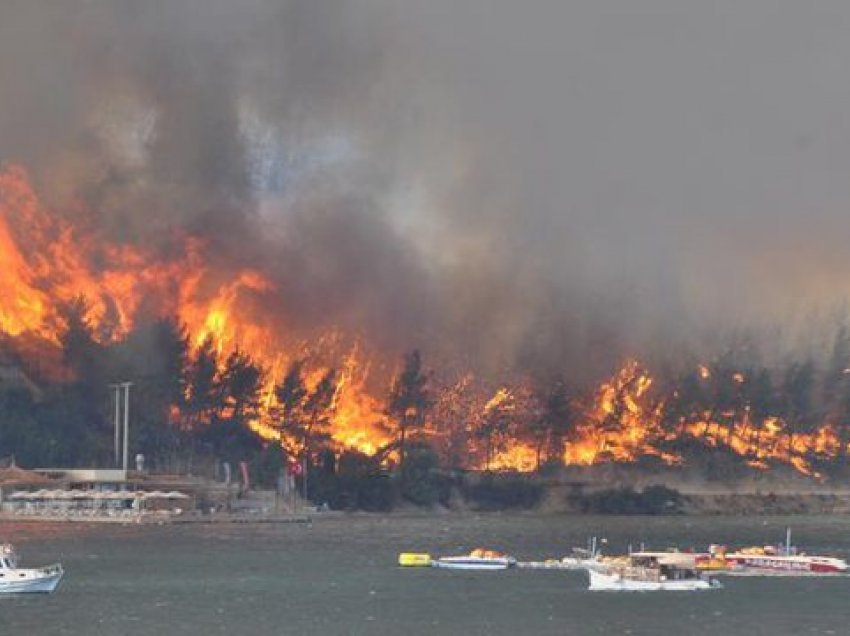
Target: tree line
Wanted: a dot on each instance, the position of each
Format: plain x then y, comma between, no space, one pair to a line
193,405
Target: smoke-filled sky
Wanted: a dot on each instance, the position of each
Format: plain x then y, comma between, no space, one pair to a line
546,184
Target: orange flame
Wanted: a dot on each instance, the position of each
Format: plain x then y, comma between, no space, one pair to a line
47,262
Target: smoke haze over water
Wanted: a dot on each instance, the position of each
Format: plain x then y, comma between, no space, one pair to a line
539,185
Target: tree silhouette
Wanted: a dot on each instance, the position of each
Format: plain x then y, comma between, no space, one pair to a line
496,423
304,416
797,398
409,401
290,417
203,389
556,419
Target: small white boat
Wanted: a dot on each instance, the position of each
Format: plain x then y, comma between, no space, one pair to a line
15,580
583,558
647,575
477,560
578,559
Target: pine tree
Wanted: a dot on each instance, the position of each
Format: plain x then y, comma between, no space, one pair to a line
409,401
291,394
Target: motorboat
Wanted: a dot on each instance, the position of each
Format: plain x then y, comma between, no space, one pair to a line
647,574
478,559
582,558
577,560
16,580
783,560
767,561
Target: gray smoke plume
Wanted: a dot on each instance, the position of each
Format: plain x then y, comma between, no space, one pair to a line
540,186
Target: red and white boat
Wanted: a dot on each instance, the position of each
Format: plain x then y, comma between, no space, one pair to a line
770,560
759,561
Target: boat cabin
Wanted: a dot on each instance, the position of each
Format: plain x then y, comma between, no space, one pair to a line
654,568
8,558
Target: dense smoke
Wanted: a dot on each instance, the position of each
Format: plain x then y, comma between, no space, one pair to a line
541,186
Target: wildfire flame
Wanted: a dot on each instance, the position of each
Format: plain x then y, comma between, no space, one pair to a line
621,424
47,263
61,264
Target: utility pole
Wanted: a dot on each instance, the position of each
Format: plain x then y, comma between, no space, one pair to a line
116,421
119,456
126,386
304,477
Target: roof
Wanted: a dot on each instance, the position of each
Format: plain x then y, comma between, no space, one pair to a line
16,476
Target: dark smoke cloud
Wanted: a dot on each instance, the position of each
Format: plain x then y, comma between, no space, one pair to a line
544,186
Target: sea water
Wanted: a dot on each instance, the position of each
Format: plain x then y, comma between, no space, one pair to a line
338,575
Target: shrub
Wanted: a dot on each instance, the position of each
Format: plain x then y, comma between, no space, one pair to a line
359,484
422,483
502,492
654,500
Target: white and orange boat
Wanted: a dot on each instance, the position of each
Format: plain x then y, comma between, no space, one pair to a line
478,559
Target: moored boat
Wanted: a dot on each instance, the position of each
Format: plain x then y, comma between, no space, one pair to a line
782,560
647,574
478,559
15,580
582,558
748,562
767,562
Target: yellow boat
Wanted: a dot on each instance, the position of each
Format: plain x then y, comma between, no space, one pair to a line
414,560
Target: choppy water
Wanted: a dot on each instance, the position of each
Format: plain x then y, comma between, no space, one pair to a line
338,577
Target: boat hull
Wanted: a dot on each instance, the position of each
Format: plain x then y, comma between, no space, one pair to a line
742,564
614,582
43,581
786,566
472,563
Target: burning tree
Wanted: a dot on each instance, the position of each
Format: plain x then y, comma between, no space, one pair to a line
549,423
496,423
304,414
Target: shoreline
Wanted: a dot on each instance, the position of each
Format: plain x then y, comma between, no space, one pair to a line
719,503
150,520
